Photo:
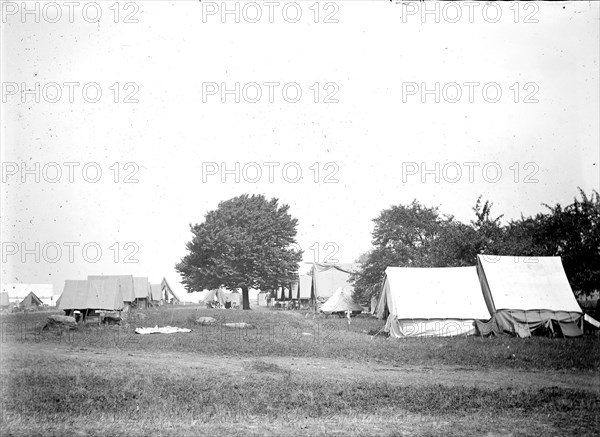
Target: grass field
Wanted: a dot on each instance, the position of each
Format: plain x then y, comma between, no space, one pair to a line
289,373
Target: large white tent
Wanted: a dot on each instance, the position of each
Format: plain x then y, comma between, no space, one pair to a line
528,293
100,293
428,302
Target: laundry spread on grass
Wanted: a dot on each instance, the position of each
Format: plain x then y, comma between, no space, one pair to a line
163,330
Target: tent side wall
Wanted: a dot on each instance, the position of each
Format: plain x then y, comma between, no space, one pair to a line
429,327
304,287
523,323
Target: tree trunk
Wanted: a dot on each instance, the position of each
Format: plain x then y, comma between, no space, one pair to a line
245,299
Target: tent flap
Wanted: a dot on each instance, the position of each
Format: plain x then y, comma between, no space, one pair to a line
525,323
327,278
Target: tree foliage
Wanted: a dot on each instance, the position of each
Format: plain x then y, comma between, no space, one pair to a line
248,241
418,236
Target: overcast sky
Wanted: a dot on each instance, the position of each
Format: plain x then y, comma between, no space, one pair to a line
370,134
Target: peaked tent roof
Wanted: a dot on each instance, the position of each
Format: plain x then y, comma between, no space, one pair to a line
125,281
525,283
340,301
327,278
140,288
432,293
74,295
167,290
4,299
18,291
31,300
216,294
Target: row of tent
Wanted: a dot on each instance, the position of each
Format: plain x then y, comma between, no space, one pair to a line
31,301
324,281
114,293
27,296
501,294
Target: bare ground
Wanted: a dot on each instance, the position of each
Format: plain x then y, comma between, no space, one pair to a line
329,369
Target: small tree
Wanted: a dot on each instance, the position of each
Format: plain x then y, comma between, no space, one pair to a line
248,241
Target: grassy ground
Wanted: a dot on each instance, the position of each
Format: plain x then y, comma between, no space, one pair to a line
289,374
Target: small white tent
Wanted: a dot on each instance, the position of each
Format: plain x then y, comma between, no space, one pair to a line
431,302
18,292
528,293
341,301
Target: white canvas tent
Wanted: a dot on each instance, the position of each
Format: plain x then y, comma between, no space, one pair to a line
528,293
162,293
215,296
17,292
304,287
341,301
92,294
168,292
235,297
31,301
4,301
155,293
261,299
141,291
283,293
327,278
125,284
431,302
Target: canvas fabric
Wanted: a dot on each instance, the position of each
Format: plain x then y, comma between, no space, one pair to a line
340,301
429,327
327,278
525,323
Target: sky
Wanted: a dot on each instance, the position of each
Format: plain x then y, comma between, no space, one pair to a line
394,104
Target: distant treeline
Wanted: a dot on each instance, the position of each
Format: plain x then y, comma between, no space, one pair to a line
418,236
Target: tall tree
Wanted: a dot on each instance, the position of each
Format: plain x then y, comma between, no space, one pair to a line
248,241
403,236
571,232
418,236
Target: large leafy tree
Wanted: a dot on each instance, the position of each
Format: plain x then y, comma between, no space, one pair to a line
248,241
571,232
418,236
403,236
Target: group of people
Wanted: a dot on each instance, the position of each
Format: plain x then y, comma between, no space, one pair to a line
284,304
216,304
